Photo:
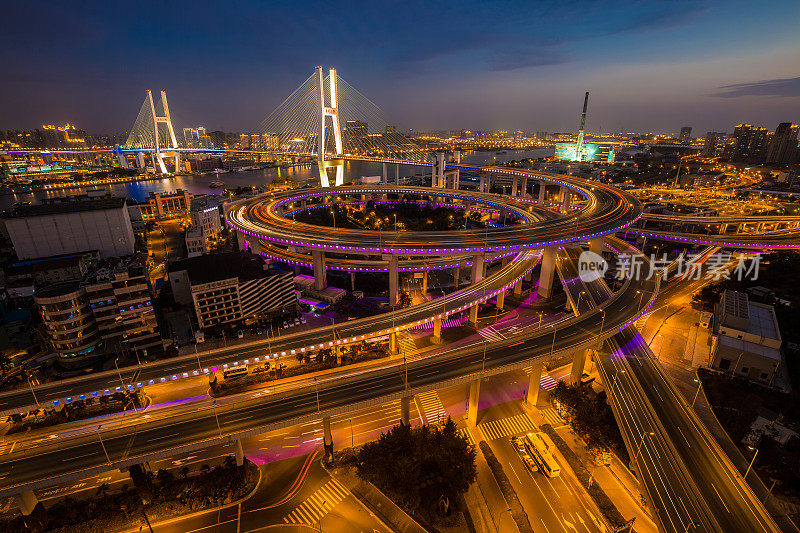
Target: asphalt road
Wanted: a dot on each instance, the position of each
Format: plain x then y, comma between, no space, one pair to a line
203,422
689,481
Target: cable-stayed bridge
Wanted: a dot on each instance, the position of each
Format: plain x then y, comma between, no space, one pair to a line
324,118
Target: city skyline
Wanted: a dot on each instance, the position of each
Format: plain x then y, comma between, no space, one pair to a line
651,67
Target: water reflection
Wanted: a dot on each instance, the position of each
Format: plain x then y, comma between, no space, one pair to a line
340,172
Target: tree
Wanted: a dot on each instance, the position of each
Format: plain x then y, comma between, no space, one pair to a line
418,466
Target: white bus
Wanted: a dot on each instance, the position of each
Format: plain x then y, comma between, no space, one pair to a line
541,448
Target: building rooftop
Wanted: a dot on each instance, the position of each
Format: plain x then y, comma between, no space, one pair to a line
205,202
216,267
46,263
62,206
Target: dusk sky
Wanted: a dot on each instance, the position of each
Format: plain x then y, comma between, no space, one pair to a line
649,65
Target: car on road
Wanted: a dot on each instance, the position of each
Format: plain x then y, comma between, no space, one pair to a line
518,445
530,464
240,334
522,451
285,324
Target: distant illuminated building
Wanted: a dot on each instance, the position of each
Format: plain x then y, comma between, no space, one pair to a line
600,153
713,142
580,151
783,145
749,144
685,136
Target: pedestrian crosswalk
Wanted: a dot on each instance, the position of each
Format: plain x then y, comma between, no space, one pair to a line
546,382
464,432
318,504
552,417
491,334
431,407
505,427
407,344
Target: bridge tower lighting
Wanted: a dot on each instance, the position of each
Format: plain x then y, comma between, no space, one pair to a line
163,120
331,111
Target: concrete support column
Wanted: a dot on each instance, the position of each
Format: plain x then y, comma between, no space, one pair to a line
405,410
578,364
239,452
384,177
425,283
477,275
542,193
501,300
473,314
456,276
565,194
524,186
397,174
327,436
482,186
596,246
514,185
123,161
393,348
352,281
437,331
548,267
477,268
534,381
393,280
140,160
177,162
320,276
518,288
474,401
26,501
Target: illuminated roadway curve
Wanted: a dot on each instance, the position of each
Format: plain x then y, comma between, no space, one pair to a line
688,479
606,211
194,425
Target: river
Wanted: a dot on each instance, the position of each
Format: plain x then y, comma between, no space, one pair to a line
198,185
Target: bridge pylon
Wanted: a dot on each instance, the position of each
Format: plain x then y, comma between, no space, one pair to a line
165,119
331,111
146,137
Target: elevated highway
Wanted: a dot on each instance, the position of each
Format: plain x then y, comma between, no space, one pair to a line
690,483
200,424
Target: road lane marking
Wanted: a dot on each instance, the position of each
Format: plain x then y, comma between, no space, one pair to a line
504,427
320,503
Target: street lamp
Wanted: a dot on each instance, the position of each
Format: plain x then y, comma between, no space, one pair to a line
27,375
99,436
603,322
639,308
751,462
316,389
614,383
697,392
579,300
638,448
351,433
